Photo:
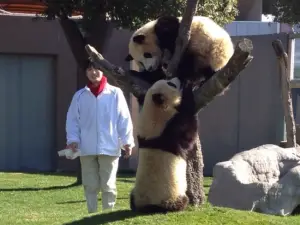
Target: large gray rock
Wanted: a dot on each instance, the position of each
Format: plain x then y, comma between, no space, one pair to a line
264,179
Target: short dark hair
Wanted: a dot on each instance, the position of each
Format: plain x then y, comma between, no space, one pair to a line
87,64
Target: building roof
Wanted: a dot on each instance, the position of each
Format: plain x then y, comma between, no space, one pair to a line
24,6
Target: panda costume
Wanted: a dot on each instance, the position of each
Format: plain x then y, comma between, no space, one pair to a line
167,131
209,49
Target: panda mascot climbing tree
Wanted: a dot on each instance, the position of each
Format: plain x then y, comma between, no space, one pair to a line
209,84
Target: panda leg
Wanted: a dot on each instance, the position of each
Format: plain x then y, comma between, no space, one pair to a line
147,209
179,204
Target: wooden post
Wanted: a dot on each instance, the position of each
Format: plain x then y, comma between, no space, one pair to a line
286,93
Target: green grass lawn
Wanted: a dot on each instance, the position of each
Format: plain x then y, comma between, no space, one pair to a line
52,199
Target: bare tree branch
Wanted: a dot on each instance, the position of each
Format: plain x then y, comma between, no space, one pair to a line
218,83
183,36
286,93
118,76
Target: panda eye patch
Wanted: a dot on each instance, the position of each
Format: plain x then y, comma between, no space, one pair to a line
147,55
171,84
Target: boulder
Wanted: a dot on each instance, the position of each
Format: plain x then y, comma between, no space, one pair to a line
264,179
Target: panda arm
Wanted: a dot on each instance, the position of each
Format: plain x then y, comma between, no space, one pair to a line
150,143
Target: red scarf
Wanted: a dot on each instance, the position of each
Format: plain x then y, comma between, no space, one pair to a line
96,90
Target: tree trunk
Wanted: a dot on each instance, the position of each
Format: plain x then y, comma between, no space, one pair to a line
194,175
183,36
75,39
194,172
286,93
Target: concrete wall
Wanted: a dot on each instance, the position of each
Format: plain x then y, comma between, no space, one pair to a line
241,28
250,113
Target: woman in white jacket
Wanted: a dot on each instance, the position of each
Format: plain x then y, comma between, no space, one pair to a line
99,124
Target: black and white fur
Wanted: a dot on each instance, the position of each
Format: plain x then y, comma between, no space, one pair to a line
209,49
167,131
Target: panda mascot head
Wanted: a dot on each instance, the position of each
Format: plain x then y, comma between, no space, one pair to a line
167,131
209,49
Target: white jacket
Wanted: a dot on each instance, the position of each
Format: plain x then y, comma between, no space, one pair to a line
99,125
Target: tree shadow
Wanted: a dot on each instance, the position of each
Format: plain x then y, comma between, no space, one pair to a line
50,173
81,201
41,189
296,211
126,181
105,218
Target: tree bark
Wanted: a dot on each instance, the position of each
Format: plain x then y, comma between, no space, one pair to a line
286,93
194,175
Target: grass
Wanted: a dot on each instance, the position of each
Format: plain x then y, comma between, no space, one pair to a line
53,199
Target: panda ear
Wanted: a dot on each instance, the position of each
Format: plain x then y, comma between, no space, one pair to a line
167,25
128,58
139,39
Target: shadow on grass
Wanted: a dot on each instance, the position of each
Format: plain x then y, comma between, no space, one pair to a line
121,174
51,173
81,201
122,177
126,181
296,211
41,189
105,218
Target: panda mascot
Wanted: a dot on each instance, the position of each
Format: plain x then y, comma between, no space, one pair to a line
209,49
167,131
